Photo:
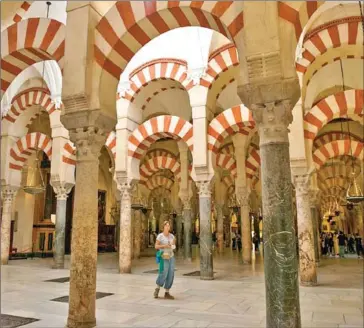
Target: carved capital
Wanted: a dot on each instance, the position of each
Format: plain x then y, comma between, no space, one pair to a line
302,184
8,194
125,186
186,201
61,188
204,188
88,142
314,197
272,120
242,195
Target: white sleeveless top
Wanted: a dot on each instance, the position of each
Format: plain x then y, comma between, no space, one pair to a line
164,240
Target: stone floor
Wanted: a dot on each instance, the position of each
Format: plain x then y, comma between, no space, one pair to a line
234,299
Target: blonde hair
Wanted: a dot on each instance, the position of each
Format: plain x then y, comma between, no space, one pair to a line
165,223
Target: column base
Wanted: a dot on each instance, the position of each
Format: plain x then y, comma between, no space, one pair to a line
80,324
308,283
206,278
247,262
58,266
124,270
4,261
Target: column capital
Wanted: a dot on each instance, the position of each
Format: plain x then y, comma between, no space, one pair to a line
272,119
204,188
302,184
242,195
88,142
314,197
8,193
61,188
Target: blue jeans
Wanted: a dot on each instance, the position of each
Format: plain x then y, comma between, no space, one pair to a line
166,277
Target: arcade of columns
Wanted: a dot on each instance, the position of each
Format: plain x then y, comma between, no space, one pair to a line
281,131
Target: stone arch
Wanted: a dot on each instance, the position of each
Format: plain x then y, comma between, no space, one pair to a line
22,11
337,148
159,181
341,32
332,136
129,25
342,104
69,154
44,40
232,120
252,164
28,98
24,147
226,162
154,164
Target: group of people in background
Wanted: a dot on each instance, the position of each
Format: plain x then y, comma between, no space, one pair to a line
338,244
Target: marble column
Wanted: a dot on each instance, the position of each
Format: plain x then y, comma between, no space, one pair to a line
308,275
187,219
7,195
58,257
314,217
220,227
280,256
179,231
137,233
82,295
125,233
246,231
206,261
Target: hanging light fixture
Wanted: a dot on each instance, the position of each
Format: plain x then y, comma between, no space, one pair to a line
33,180
353,194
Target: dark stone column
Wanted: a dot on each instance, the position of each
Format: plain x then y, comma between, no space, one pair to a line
313,194
206,262
187,226
280,255
179,231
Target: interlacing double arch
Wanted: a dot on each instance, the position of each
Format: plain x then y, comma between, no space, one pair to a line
28,42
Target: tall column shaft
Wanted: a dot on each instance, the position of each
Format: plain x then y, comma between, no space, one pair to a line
316,242
280,256
179,231
125,234
82,295
187,246
246,233
206,261
60,233
220,228
8,196
137,233
305,233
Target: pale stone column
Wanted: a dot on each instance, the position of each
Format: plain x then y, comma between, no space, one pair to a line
8,194
220,227
137,233
246,231
313,194
306,243
206,260
125,234
187,220
280,256
61,189
82,295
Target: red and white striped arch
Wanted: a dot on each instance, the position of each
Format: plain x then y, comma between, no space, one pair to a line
229,181
149,99
27,98
228,149
226,162
154,164
156,128
160,152
22,11
166,68
342,104
233,120
219,62
25,146
334,34
337,148
297,13
69,154
111,143
252,164
28,42
333,136
129,25
159,181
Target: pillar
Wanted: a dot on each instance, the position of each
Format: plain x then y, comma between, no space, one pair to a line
220,227
315,226
137,233
58,257
125,232
7,195
280,256
179,231
308,275
206,262
82,295
187,226
246,231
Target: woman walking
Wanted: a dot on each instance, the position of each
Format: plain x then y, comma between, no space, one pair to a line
165,243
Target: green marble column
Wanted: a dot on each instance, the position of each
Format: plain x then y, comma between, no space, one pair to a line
279,236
